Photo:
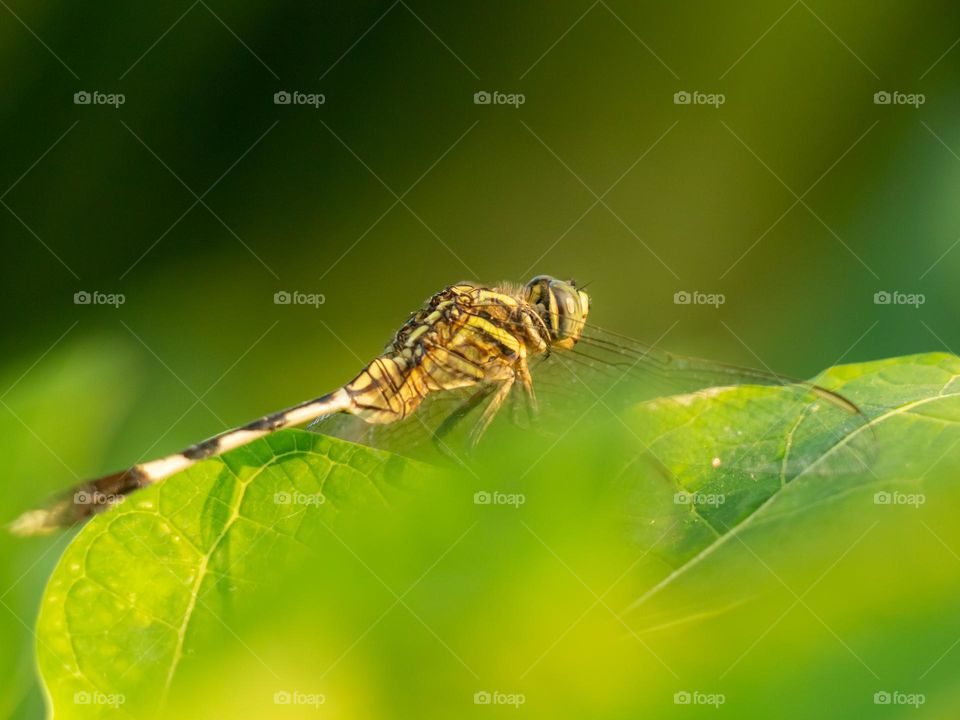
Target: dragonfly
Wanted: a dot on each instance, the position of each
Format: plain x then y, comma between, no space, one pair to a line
463,354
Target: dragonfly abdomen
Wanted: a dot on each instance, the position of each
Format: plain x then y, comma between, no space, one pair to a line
383,391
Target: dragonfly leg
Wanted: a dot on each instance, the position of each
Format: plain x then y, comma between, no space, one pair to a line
454,418
534,334
490,411
526,382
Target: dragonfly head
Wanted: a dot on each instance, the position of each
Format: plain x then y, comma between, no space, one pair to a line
562,307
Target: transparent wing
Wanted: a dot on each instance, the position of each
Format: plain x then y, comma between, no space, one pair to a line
604,369
608,360
794,429
415,435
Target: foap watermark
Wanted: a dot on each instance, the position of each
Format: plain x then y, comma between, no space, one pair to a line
95,497
895,97
295,297
697,697
896,697
714,100
683,297
495,97
113,700
85,297
295,97
698,498
895,297
296,697
95,97
896,497
483,497
484,697
298,498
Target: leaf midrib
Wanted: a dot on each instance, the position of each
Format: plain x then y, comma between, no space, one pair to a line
235,504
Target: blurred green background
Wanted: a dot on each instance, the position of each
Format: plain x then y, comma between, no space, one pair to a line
199,198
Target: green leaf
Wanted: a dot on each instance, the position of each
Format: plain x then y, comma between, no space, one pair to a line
140,583
143,587
722,460
33,421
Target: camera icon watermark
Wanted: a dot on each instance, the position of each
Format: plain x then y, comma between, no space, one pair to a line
95,297
484,697
95,97
914,500
699,499
299,498
295,97
484,497
683,297
483,97
684,97
896,697
95,497
96,697
296,697
895,297
295,297
696,697
895,97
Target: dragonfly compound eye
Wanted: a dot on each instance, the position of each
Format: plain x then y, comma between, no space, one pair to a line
562,306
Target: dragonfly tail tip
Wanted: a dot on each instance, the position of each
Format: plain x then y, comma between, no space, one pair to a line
34,522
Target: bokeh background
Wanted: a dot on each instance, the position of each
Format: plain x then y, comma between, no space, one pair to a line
199,198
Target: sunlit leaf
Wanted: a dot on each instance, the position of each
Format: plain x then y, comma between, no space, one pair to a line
139,583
